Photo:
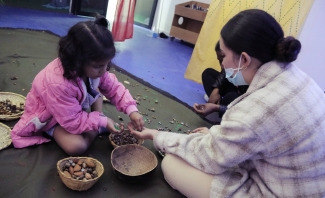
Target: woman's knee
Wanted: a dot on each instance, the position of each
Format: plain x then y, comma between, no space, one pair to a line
183,177
166,167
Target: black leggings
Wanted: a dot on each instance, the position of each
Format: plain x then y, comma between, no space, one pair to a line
209,77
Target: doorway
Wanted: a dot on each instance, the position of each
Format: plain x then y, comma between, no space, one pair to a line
144,12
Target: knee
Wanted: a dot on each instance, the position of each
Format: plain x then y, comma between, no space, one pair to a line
167,169
76,148
207,72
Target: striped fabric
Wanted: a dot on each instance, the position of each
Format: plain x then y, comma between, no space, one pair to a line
270,143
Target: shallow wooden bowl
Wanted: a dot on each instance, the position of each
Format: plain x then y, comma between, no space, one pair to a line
133,163
126,131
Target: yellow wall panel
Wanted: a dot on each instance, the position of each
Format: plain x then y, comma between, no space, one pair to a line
291,15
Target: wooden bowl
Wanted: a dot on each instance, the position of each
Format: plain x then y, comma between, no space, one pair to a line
133,163
75,184
127,132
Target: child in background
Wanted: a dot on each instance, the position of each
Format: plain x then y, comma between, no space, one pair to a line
219,91
71,84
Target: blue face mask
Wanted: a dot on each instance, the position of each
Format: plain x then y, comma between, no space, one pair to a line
238,79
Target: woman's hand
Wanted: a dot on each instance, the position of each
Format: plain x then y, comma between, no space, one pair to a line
137,120
206,109
144,134
114,127
203,130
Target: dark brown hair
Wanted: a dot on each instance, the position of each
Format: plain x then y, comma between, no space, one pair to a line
257,33
85,42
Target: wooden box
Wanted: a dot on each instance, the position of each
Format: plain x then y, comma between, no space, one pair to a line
192,21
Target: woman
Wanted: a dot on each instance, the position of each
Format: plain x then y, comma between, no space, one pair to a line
270,142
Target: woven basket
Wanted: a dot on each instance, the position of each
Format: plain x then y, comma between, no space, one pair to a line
79,185
140,141
16,99
5,139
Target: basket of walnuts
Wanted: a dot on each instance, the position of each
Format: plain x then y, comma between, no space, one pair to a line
79,173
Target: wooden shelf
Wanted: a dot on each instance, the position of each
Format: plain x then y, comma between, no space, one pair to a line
192,21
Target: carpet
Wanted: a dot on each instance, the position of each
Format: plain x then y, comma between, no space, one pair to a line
31,172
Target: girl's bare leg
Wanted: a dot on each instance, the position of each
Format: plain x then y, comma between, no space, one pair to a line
98,105
77,144
73,144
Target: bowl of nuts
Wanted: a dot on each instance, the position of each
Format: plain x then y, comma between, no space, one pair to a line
11,106
124,138
133,163
79,173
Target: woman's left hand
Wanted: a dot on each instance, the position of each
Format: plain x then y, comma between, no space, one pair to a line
203,130
137,120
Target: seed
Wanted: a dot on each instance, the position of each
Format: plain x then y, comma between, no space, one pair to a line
77,168
88,176
67,173
90,163
78,173
80,161
71,170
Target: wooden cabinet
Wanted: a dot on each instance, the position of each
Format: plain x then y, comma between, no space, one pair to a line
192,18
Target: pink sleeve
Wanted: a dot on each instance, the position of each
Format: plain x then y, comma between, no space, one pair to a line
117,93
62,103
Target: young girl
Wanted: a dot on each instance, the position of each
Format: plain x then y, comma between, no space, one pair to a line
68,86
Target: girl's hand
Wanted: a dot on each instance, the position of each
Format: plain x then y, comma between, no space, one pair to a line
144,134
214,96
137,120
205,109
203,130
114,127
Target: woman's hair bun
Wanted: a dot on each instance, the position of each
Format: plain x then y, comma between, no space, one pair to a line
287,49
100,20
